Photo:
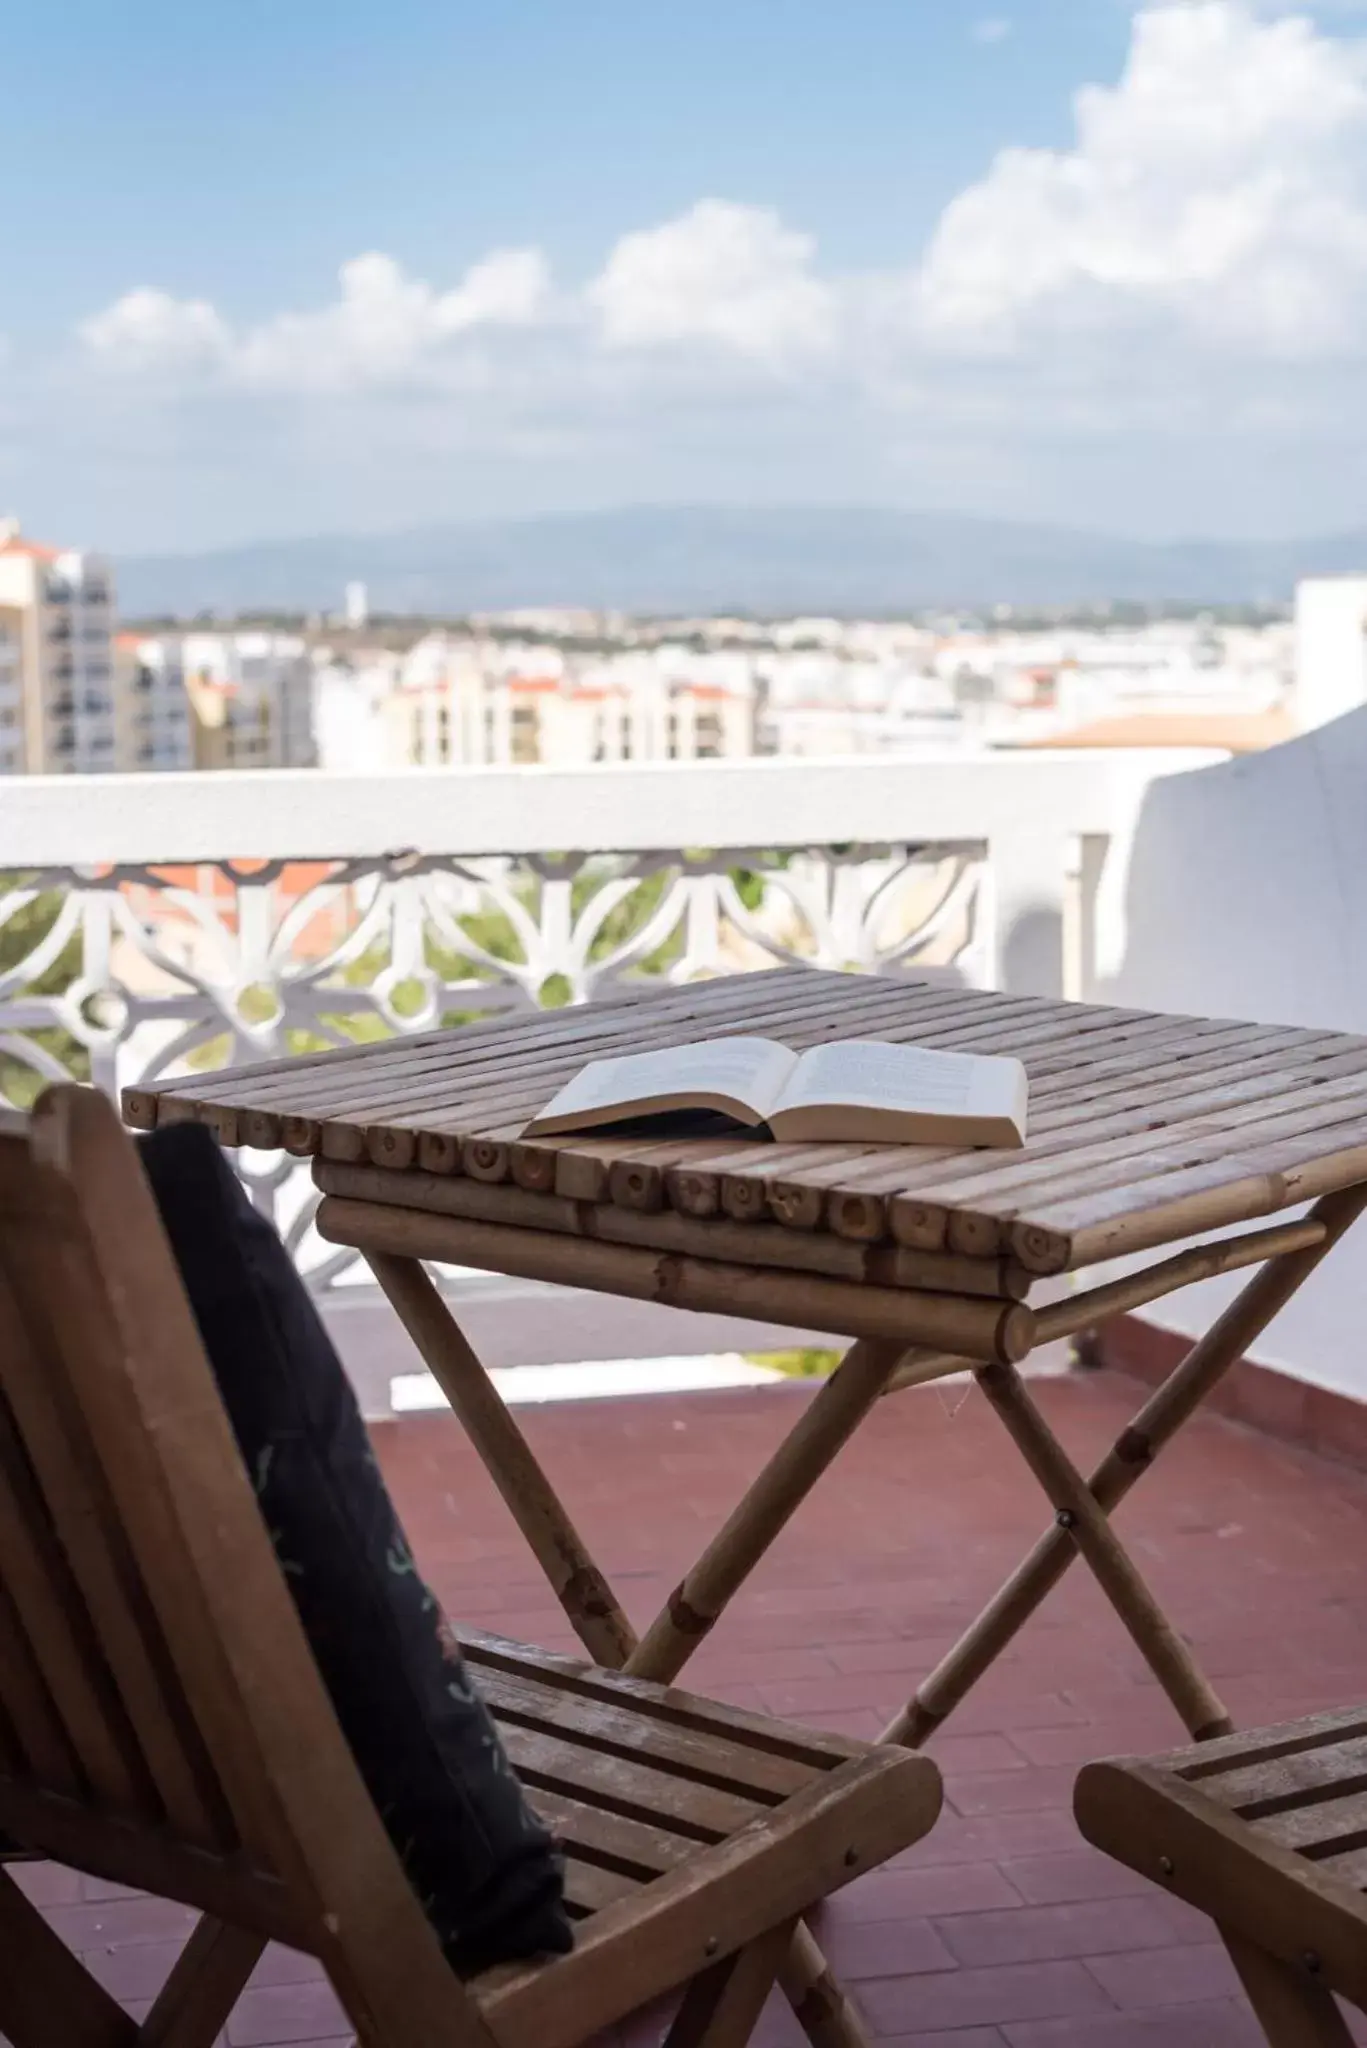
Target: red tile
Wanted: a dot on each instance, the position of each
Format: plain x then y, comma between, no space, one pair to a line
1204,2026
1268,1401
1200,1970
1138,1732
1002,1929
904,1947
1081,1873
285,2013
47,1884
972,1998
1337,1426
958,1754
135,1971
116,1922
904,1893
1093,1927
957,2037
1024,1790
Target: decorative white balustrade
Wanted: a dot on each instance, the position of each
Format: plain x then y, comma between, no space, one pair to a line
154,925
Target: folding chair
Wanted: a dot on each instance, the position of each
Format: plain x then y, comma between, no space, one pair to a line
163,1724
1266,1832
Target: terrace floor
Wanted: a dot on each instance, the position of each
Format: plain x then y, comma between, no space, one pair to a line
1001,1930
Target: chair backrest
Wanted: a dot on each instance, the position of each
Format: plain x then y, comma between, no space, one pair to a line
162,1721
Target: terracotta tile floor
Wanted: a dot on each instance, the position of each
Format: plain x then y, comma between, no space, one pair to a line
1001,1930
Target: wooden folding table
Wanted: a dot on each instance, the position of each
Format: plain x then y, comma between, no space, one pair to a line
1147,1134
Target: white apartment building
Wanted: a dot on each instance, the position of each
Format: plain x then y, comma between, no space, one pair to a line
481,705
11,691
59,611
251,695
153,721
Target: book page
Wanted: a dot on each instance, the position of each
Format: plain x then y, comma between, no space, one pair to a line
748,1071
902,1077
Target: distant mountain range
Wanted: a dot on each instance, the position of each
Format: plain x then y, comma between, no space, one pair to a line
720,559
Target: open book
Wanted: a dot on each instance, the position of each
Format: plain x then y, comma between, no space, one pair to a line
856,1092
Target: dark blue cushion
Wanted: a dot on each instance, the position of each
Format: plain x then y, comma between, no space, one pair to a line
485,1869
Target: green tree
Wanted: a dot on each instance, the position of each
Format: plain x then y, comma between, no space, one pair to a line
20,1084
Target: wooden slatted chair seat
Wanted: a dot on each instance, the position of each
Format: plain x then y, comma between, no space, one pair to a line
163,1724
1266,1832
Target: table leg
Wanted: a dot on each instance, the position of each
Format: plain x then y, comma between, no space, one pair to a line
826,2015
824,1427
563,1555
1172,1405
1119,1578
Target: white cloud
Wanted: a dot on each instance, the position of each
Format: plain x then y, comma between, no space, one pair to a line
1220,186
385,327
148,329
723,275
1177,269
511,288
994,28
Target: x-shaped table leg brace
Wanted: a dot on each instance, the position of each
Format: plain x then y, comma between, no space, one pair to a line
824,1426
1083,1506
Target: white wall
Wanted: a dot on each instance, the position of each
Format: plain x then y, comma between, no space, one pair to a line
1331,648
1243,893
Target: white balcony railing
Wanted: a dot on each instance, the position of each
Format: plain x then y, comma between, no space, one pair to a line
150,924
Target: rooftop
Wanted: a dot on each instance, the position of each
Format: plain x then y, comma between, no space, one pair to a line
1001,1929
1234,732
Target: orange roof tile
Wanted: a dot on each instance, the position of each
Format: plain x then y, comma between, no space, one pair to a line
1237,732
32,548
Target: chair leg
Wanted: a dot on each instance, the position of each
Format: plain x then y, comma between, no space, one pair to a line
47,1997
1293,2011
721,2008
823,2008
203,1987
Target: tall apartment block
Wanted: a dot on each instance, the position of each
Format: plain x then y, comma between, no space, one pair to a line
11,690
251,695
57,683
153,723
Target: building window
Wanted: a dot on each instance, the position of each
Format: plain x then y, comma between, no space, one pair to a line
526,746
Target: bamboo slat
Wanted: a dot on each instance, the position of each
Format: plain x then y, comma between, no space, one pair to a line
1061,1103
497,1102
1144,1128
762,1246
979,1328
1230,1189
795,1179
495,1097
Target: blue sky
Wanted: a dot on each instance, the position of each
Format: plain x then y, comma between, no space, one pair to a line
860,251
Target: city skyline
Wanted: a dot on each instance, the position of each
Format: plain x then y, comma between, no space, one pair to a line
1081,263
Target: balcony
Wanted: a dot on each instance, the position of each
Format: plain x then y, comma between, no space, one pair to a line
1163,880
168,922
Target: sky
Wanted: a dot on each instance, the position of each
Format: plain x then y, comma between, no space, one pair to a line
299,266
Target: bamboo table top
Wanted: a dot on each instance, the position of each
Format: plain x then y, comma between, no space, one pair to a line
1144,1129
